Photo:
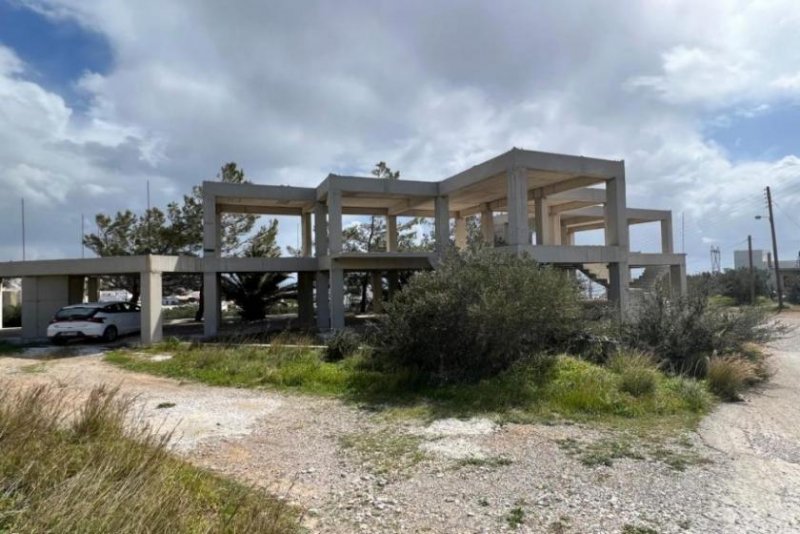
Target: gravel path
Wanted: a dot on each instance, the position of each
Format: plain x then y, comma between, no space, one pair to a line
356,470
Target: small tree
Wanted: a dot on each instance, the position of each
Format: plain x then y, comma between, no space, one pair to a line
477,314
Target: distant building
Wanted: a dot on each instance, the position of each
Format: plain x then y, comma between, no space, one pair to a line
761,259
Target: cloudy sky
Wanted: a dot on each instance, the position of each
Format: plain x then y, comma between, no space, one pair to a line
701,99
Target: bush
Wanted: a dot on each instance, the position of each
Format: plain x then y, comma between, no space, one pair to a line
638,373
344,343
477,314
683,333
728,376
95,470
12,316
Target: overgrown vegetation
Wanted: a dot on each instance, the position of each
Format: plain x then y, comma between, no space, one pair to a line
85,471
476,315
685,333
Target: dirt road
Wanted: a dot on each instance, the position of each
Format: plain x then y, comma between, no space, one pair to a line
359,471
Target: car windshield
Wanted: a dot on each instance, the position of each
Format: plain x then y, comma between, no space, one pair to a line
75,314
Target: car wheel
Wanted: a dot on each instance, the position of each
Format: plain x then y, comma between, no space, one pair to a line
110,334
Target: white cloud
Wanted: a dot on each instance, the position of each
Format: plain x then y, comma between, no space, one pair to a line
292,91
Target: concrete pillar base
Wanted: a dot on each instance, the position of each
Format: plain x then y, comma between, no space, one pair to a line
337,298
152,316
323,302
212,311
305,299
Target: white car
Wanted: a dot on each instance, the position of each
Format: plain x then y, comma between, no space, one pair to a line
99,320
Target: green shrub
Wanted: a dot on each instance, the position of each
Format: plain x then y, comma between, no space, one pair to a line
728,376
99,470
638,381
477,314
683,333
344,343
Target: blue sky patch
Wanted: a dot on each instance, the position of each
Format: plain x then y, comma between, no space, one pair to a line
56,52
767,135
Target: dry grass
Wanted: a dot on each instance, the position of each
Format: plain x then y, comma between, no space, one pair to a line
728,376
85,470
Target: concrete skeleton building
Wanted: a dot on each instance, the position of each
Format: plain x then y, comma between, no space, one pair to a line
544,199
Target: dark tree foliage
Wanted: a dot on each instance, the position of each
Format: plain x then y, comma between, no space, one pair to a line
477,314
179,231
256,293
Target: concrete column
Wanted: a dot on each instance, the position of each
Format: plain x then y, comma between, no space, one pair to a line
323,302
518,229
305,298
212,310
93,289
487,225
75,295
617,235
461,233
334,221
666,235
305,234
553,229
616,212
337,299
212,229
152,320
677,280
391,233
441,225
42,297
542,220
566,238
619,282
320,229
377,292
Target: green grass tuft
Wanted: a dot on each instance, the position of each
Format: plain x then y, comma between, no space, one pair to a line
86,471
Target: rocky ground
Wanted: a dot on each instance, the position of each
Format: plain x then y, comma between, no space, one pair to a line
356,470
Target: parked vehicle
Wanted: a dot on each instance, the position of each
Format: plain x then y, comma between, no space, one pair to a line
94,320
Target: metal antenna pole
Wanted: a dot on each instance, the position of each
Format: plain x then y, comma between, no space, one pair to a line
752,275
23,228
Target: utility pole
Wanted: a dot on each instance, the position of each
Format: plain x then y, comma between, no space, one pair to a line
752,276
778,284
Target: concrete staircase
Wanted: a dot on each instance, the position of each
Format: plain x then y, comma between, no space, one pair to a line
597,273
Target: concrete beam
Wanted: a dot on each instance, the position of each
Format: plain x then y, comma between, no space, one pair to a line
234,193
359,184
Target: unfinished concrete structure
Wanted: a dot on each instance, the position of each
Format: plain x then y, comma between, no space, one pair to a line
543,200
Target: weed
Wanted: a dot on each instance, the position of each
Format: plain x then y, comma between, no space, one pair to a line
63,471
491,461
728,376
515,517
33,368
385,451
483,501
163,405
635,529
